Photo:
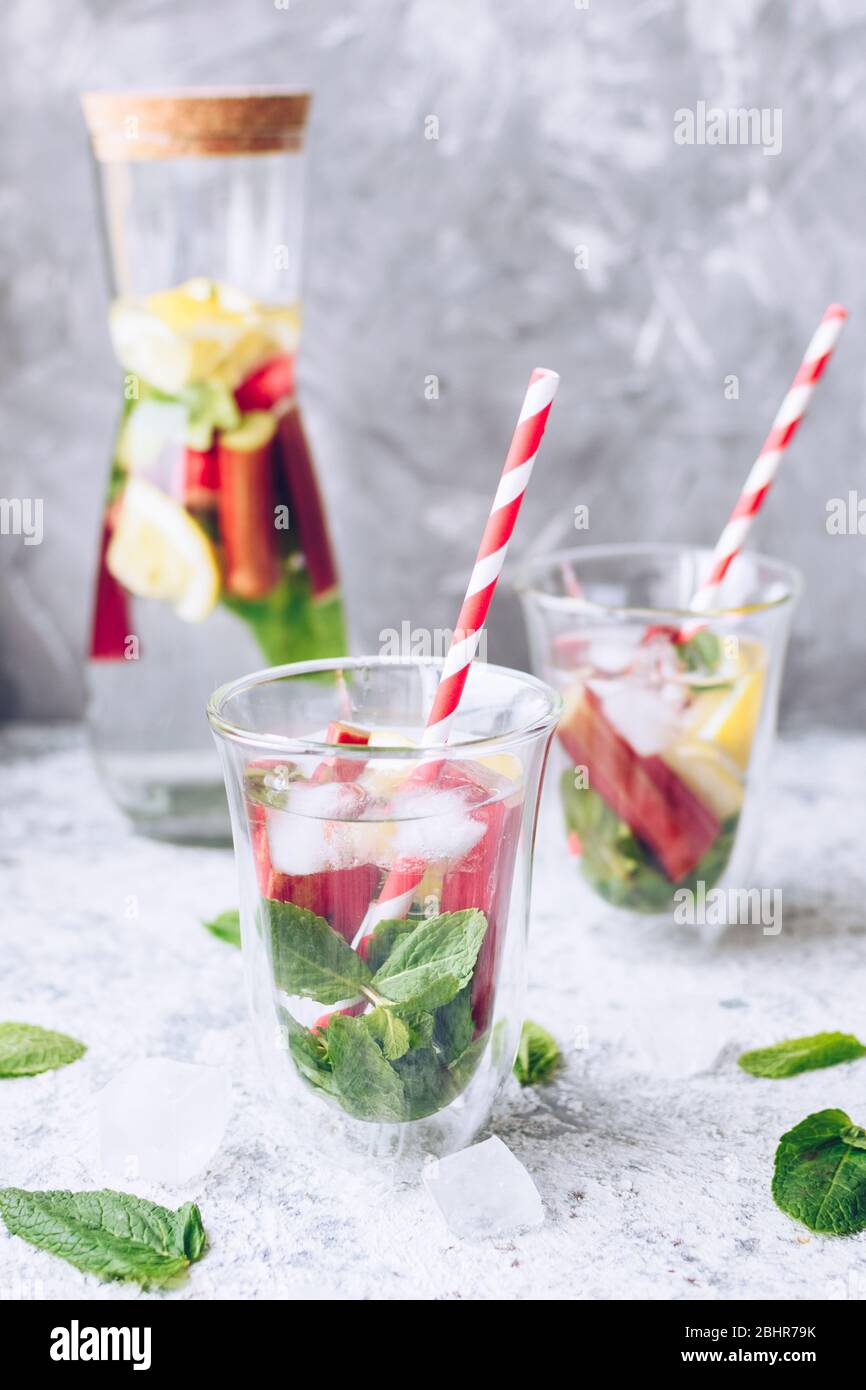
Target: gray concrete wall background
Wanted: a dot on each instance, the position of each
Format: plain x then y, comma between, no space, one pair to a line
456,257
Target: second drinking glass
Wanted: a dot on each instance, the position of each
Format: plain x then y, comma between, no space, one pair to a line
663,743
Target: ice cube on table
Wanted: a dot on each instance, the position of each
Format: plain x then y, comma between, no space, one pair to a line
162,1120
484,1191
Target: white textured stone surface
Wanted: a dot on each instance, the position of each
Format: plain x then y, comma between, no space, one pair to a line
655,1185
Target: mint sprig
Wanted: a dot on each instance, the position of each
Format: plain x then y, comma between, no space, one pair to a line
113,1235
820,1174
27,1050
415,1049
796,1055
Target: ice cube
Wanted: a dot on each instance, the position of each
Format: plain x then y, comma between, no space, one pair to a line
435,825
162,1120
484,1191
643,715
314,832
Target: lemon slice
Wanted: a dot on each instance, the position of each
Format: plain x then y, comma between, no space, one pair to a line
728,718
159,551
504,764
390,738
709,774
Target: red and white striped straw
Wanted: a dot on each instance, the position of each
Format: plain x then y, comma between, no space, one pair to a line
766,465
399,887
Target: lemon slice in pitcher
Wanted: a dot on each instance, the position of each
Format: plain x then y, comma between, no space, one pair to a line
159,551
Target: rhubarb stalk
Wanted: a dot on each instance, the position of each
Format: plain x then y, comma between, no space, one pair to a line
110,613
643,791
305,502
246,506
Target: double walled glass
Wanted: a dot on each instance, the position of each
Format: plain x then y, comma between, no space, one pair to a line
215,554
663,743
384,1031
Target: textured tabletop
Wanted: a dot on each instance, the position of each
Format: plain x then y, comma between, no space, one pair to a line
652,1151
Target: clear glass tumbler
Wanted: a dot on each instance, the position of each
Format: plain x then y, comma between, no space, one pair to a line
388,1040
663,743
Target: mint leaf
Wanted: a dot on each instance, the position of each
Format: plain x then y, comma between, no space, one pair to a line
382,940
802,1054
26,1050
289,624
227,926
310,1054
454,1026
390,1031
703,652
429,965
427,1085
463,1068
820,1174
538,1055
420,1028
110,1234
309,958
367,1086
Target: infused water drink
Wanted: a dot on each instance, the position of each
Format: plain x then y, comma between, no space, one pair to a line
396,1025
663,742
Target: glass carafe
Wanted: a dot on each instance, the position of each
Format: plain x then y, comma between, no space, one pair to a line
214,556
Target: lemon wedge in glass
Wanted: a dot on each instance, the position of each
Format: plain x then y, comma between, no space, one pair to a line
158,550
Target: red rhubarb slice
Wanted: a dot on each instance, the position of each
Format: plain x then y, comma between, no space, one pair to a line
273,381
341,769
305,503
644,792
246,506
201,478
482,879
111,624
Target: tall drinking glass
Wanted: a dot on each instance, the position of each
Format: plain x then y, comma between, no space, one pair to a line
663,743
383,1037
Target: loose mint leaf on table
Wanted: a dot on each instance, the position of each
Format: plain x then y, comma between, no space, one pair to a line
309,958
110,1234
26,1050
390,1031
802,1054
367,1085
432,963
538,1055
227,926
820,1174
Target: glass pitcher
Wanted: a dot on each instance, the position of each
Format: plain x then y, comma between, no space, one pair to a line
215,556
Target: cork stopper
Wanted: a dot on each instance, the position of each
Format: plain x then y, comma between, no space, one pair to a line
127,126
